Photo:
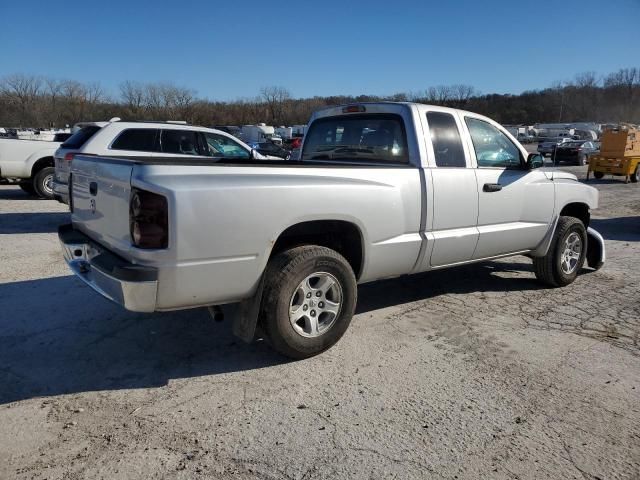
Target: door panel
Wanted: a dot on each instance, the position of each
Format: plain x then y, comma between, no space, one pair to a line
454,231
517,216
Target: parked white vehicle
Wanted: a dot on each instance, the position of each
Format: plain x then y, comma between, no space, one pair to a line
381,190
260,133
28,163
151,139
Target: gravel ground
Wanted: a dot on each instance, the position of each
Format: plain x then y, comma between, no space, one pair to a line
475,372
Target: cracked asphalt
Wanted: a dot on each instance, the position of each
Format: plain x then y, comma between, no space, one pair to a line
476,372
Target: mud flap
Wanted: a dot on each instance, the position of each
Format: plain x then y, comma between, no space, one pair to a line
595,249
246,315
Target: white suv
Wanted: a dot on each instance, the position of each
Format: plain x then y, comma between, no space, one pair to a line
149,139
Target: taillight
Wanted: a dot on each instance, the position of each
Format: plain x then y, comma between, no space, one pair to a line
68,156
148,219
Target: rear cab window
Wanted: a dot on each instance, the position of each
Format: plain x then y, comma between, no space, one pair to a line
137,139
81,137
367,138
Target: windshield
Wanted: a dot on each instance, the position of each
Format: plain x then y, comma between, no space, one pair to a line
374,137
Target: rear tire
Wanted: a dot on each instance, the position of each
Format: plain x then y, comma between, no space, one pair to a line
598,175
582,160
566,255
43,183
635,176
27,188
309,299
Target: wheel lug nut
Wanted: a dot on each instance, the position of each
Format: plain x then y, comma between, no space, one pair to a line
318,293
305,308
321,304
313,313
309,295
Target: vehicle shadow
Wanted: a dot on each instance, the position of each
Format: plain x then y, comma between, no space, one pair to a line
626,229
481,277
14,192
57,336
45,222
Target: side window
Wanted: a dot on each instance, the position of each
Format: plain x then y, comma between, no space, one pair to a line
181,142
222,146
445,137
137,139
493,148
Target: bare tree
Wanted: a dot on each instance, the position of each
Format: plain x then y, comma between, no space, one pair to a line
24,91
275,98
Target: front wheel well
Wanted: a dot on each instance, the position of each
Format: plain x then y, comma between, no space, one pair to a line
577,210
40,164
341,236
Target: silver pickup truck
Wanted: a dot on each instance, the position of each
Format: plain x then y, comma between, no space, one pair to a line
380,190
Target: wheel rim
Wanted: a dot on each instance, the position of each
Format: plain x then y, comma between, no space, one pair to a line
47,184
571,253
315,304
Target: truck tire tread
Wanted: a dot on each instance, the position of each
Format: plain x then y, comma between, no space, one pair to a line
547,268
282,276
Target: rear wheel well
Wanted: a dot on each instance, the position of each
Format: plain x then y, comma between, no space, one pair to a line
40,164
577,210
343,237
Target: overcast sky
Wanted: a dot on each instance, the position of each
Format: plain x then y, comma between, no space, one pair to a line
227,50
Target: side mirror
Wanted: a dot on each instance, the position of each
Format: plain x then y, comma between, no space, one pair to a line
535,160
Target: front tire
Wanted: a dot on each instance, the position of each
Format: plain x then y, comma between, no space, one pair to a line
309,299
582,160
598,175
43,183
566,255
635,176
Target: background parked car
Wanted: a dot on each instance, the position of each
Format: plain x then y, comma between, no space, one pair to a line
576,151
271,150
134,139
546,146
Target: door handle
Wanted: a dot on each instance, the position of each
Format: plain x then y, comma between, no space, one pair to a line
491,187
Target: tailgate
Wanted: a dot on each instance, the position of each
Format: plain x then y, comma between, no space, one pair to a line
100,189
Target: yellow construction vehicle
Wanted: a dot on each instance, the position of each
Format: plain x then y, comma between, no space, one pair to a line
619,154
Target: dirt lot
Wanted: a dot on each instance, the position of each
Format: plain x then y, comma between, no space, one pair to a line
470,373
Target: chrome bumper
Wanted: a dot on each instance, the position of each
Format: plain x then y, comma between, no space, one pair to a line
60,191
132,286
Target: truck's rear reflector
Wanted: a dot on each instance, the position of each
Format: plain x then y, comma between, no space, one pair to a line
148,219
69,156
354,109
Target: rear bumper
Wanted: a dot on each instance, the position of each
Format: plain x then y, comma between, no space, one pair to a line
132,286
60,191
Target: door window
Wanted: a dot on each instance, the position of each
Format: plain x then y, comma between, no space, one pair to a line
181,142
493,148
445,137
221,146
137,139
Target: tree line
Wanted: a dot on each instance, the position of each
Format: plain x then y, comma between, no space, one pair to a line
36,101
